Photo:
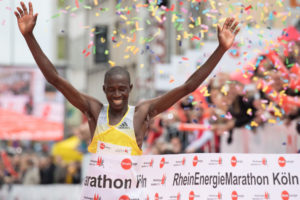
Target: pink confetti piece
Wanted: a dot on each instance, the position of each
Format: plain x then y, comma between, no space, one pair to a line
228,116
263,117
77,3
3,22
214,11
214,118
204,26
184,10
64,11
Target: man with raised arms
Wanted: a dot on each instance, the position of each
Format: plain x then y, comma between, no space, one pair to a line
118,123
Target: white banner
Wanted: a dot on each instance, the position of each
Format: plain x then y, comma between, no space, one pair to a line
193,177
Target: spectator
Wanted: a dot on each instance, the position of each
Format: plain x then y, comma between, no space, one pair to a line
31,175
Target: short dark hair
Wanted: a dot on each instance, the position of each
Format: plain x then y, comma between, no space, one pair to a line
117,70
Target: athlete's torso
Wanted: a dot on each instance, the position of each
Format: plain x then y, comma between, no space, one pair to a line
121,134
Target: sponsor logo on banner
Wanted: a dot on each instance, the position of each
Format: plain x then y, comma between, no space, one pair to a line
196,161
236,196
99,162
177,197
215,161
193,196
126,164
267,195
264,161
261,162
282,162
264,196
157,197
235,161
285,195
219,195
148,164
215,196
163,162
162,181
179,162
96,197
124,197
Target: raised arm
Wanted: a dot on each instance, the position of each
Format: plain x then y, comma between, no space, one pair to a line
226,36
26,23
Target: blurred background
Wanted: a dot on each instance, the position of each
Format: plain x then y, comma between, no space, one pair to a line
249,104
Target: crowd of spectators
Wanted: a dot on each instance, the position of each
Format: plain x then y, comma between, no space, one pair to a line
35,168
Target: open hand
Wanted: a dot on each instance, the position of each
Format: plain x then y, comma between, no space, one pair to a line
26,21
228,32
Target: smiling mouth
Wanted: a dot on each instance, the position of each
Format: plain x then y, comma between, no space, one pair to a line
117,102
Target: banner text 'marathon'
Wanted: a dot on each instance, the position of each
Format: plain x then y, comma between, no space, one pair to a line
282,178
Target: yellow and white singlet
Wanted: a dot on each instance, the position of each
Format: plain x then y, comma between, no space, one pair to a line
121,135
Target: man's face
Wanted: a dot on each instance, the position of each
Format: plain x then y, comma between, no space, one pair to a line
117,89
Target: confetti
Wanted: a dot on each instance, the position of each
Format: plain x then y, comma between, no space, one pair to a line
249,111
55,16
224,90
248,127
272,121
171,80
195,38
112,64
87,54
248,7
228,115
214,117
253,124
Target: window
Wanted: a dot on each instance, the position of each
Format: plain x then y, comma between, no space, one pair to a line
101,44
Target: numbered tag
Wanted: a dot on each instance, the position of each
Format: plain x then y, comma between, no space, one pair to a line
108,148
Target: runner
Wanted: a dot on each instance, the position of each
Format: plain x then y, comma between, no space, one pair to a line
117,123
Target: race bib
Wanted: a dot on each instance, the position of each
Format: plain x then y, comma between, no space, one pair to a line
108,148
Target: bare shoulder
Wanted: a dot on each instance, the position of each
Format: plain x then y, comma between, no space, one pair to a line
142,108
95,107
